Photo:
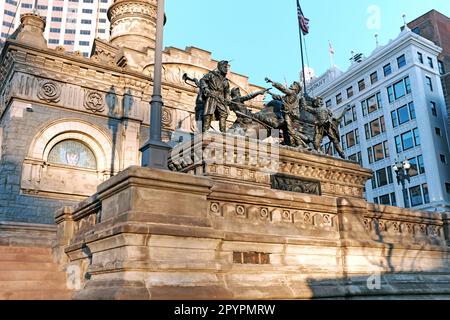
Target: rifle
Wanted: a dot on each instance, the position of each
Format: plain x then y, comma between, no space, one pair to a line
253,119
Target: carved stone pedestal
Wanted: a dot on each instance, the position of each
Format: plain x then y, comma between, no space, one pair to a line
225,231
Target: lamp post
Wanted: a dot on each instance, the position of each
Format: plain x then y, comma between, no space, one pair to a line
402,172
155,152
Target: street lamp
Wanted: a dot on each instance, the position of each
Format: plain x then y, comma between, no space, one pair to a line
401,170
155,152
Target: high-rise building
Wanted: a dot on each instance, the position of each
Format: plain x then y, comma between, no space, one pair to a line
397,112
73,24
435,26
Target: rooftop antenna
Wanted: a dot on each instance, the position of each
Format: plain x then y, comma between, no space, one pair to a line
35,7
376,40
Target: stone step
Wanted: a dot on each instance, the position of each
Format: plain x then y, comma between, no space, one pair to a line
36,295
28,266
19,257
18,275
31,285
25,250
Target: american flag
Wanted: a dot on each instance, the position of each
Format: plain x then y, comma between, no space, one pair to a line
302,20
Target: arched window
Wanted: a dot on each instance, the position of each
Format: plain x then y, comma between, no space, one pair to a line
72,153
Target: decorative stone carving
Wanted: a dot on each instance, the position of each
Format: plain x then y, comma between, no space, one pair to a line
294,184
49,91
167,119
94,101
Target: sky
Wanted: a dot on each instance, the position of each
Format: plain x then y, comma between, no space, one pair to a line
261,37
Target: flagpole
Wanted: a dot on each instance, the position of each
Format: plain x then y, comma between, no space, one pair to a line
301,52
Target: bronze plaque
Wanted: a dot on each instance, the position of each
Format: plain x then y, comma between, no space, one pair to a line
295,184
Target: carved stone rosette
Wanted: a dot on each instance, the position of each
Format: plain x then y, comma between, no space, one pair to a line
49,91
167,118
94,101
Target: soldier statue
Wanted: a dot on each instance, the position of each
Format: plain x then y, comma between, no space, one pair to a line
291,112
325,124
215,96
243,114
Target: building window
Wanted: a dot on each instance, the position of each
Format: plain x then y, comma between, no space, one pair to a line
407,141
412,110
13,2
356,158
42,7
26,5
401,61
361,85
86,21
72,10
8,24
72,153
415,196
420,164
73,0
438,131
56,19
416,136
350,139
429,83
385,200
382,178
83,43
447,187
377,127
378,152
430,63
399,89
373,77
69,42
53,41
85,54
390,92
70,31
101,30
338,99
57,8
420,57
328,103
9,13
441,67
371,104
433,108
387,69
103,10
416,30
350,92
443,159
349,116
104,1
56,30
426,195
102,20
85,32
87,11
71,20
88,1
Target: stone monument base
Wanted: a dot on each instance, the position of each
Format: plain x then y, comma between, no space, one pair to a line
226,231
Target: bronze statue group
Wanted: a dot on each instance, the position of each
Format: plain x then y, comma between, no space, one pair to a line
215,99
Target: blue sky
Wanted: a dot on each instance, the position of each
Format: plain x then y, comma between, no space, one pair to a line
261,36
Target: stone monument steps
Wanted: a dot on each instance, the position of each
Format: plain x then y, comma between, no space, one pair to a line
30,273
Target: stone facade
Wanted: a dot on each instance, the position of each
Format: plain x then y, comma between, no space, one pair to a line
50,95
212,234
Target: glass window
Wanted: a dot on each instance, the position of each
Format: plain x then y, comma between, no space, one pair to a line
88,1
387,70
386,149
354,113
403,114
420,164
438,131
361,85
372,104
447,187
357,136
441,67
414,170
102,20
412,110
430,62
69,42
57,8
375,128
390,92
426,195
382,177
364,107
407,85
72,10
375,200
429,83
370,155
401,61
56,19
374,182
348,117
433,108
416,196
71,20
349,92
382,125
443,160
416,136
72,153
53,41
328,103
102,10
389,173
338,98
385,200
70,31
394,119
101,30
366,129
83,43
350,138
56,30
398,144
407,140
85,32
420,57
378,152
373,77
343,142
393,199
87,10
86,21
399,89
